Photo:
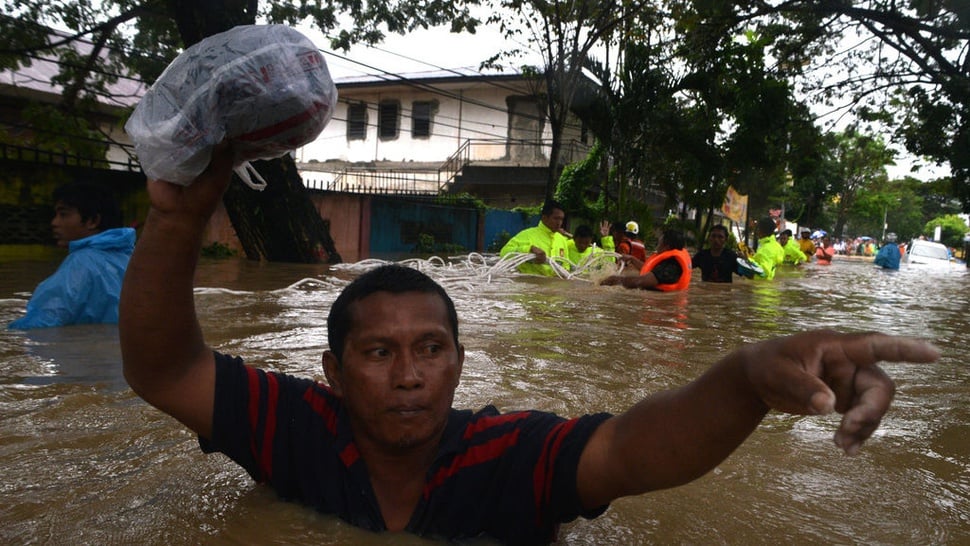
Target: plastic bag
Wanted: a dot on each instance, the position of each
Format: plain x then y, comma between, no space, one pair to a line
264,87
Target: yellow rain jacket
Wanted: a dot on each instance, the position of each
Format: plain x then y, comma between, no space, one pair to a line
769,255
793,253
551,242
577,257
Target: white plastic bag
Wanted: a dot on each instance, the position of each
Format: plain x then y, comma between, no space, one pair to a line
265,87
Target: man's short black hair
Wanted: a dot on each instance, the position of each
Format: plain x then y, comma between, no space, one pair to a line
90,200
720,227
787,232
583,231
396,279
550,206
766,226
673,239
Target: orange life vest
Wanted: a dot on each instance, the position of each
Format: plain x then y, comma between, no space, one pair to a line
637,250
682,257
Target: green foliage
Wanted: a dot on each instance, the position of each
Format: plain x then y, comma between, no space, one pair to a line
696,107
500,240
528,211
860,162
218,250
686,227
427,245
579,187
953,229
461,200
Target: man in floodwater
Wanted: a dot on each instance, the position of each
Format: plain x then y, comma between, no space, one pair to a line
86,286
666,270
770,254
888,256
545,240
381,446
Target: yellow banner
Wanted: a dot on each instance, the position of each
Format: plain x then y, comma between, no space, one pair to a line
735,205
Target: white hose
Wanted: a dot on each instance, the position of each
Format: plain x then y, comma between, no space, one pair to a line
470,272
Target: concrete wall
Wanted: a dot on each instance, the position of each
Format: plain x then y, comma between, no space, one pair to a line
25,197
346,214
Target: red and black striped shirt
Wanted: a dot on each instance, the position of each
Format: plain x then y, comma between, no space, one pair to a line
508,476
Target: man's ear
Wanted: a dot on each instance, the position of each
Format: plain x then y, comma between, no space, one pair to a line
461,364
93,223
331,369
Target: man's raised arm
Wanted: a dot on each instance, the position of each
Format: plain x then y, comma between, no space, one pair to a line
677,436
166,360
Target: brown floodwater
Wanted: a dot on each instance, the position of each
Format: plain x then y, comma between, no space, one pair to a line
85,461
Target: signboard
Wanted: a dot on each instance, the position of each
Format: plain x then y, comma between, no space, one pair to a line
735,206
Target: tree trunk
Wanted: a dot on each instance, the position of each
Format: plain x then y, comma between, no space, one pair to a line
279,223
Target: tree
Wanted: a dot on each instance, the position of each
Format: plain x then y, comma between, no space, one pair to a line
142,37
695,111
695,107
575,185
564,33
861,161
886,206
899,64
953,229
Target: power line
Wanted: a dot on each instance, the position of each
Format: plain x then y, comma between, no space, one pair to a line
399,78
385,75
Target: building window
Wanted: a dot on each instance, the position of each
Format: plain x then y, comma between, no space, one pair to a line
357,121
421,112
387,119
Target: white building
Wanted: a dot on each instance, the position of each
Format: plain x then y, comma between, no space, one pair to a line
458,131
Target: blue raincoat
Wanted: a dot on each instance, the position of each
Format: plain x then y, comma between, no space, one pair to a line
888,256
86,286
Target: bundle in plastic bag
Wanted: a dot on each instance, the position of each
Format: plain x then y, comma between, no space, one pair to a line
264,87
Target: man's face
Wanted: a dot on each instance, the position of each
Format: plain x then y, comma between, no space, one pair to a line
582,243
783,239
68,226
806,235
717,238
400,370
554,219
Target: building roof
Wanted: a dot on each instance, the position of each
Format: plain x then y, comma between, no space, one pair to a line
34,81
455,75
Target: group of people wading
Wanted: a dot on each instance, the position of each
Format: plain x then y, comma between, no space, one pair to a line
669,267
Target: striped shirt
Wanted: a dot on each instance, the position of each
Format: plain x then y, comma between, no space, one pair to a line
509,476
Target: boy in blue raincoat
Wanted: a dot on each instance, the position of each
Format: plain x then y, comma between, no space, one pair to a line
889,255
86,286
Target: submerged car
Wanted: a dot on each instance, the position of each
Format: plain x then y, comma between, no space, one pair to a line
928,254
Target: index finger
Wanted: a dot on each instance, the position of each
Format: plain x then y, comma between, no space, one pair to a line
871,348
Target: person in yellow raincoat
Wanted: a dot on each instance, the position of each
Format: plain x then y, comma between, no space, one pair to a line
806,245
770,254
793,253
581,247
544,240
